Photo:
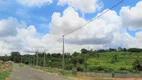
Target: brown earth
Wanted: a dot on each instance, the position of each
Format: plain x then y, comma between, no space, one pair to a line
5,66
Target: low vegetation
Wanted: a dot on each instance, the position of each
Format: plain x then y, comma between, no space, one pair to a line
55,71
92,79
4,75
21,65
5,69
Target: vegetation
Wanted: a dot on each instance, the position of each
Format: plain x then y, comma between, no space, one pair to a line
119,60
5,69
4,75
94,79
21,65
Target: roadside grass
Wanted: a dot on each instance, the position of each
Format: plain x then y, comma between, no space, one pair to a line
102,79
95,79
52,71
91,78
21,65
1,64
5,73
67,74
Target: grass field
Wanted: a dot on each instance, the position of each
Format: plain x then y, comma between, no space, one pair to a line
124,60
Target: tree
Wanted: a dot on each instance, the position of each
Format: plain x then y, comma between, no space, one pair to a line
111,49
84,51
16,57
15,54
124,49
136,65
120,49
134,50
101,50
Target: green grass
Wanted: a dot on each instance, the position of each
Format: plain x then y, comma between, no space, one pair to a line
52,71
21,65
57,71
4,75
0,64
125,60
93,79
98,79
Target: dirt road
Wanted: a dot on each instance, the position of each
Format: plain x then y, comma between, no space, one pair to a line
28,73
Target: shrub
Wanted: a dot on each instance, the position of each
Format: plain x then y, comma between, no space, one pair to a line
100,69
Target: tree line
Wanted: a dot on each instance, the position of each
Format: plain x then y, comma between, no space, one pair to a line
77,59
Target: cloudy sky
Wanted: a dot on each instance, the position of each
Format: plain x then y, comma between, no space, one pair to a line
30,25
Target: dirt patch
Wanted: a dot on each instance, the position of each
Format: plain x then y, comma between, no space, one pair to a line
5,66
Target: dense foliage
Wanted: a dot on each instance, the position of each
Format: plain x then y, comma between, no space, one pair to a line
119,60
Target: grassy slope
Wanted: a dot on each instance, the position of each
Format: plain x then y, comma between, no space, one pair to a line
125,60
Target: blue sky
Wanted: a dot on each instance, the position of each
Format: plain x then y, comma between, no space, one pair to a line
41,16
37,24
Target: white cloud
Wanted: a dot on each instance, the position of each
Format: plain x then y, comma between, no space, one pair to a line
105,32
16,36
8,27
131,16
31,3
66,23
97,32
86,6
30,39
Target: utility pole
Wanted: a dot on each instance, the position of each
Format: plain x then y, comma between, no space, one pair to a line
21,58
33,59
44,59
63,62
37,58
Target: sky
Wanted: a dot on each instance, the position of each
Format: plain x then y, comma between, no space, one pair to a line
31,25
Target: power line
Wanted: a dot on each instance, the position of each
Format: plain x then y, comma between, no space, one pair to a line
95,18
63,62
55,43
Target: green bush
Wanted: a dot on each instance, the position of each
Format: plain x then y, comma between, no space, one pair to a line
69,67
99,69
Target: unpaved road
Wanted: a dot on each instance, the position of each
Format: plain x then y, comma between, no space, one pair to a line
28,73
